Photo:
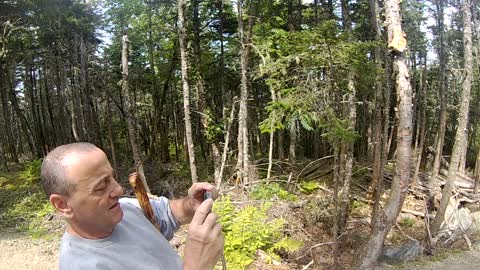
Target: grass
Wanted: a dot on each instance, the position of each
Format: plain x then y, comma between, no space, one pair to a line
23,204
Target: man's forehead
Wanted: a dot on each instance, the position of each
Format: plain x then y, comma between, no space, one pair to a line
74,157
84,164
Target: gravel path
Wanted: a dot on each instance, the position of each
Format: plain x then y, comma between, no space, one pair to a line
21,252
468,260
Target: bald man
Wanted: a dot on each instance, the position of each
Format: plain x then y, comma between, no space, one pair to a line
106,231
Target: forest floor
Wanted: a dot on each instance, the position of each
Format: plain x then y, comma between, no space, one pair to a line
22,252
30,231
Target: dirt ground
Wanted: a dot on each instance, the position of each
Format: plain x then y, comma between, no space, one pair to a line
21,252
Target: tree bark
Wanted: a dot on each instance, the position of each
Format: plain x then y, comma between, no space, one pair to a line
477,173
132,132
26,128
422,127
460,139
7,116
182,35
292,157
243,162
111,139
387,216
443,100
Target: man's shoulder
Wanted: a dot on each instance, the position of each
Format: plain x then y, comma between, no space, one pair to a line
76,253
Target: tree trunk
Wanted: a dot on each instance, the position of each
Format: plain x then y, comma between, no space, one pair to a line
477,173
26,128
111,139
130,110
243,162
157,114
460,139
443,101
221,103
182,35
292,157
10,143
387,216
227,141
378,140
422,127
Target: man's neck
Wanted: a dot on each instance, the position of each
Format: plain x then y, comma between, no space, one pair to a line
77,231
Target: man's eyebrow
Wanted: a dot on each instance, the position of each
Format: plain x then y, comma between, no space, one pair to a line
99,181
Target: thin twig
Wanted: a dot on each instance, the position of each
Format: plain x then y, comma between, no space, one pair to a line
308,265
403,233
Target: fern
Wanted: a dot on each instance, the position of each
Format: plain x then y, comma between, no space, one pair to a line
248,230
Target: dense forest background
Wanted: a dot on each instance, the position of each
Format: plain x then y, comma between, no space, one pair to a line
239,91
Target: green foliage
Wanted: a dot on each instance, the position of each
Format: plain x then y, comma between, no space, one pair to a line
31,172
267,191
23,204
29,214
309,187
359,209
407,222
248,230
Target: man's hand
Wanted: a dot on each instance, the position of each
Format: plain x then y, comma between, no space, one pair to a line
195,194
205,241
184,209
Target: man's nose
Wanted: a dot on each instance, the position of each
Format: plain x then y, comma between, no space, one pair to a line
117,190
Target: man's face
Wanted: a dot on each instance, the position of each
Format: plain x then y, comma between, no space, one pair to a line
94,200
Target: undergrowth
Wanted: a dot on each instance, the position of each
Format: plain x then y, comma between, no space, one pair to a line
249,229
23,204
268,191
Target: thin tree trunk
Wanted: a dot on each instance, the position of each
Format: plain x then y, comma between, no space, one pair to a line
387,216
26,129
460,139
182,35
350,113
422,127
243,163
272,133
7,117
227,140
378,140
477,173
132,132
111,139
443,101
292,157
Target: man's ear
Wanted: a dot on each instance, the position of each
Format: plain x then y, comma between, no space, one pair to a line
61,204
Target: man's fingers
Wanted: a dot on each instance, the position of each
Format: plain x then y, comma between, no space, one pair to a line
200,187
217,229
210,220
202,211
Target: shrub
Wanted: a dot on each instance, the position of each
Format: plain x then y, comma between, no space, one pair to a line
31,172
29,214
269,190
309,187
248,230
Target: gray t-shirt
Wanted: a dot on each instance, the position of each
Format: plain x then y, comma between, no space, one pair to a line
134,243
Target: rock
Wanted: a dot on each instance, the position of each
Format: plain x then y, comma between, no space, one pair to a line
475,221
405,253
457,220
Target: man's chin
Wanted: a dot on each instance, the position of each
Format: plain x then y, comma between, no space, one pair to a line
118,216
